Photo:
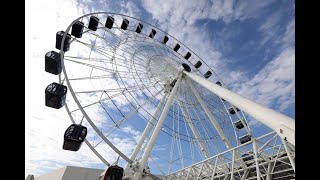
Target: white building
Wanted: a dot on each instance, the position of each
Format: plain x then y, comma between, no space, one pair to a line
70,173
75,173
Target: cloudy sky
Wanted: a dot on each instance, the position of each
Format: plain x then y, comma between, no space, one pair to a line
249,44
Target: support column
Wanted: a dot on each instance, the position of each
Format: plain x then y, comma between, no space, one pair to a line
282,124
232,165
269,171
157,129
289,155
214,168
254,144
146,131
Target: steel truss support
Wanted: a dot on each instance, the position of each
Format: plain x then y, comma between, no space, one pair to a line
254,144
245,174
217,165
282,124
154,136
269,171
199,174
214,168
232,165
289,154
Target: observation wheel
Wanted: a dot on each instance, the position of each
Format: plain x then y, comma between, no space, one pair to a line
133,91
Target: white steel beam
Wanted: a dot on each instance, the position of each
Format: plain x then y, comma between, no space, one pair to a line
214,168
254,144
282,124
146,131
179,174
244,175
198,175
226,177
232,165
269,171
157,129
289,155
190,171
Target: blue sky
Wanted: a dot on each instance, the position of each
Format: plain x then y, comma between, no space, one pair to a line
249,44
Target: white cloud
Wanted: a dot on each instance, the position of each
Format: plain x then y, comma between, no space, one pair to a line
130,9
270,28
228,10
289,35
250,8
274,83
44,138
178,19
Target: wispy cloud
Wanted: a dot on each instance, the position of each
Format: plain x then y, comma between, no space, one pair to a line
270,28
274,85
289,36
130,8
228,10
251,9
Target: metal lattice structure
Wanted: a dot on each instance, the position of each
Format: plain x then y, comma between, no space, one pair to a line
133,85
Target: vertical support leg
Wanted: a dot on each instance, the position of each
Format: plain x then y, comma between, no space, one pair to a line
214,168
269,171
289,154
256,157
146,132
156,131
232,165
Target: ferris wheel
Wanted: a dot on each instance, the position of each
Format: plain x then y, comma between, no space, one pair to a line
134,91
